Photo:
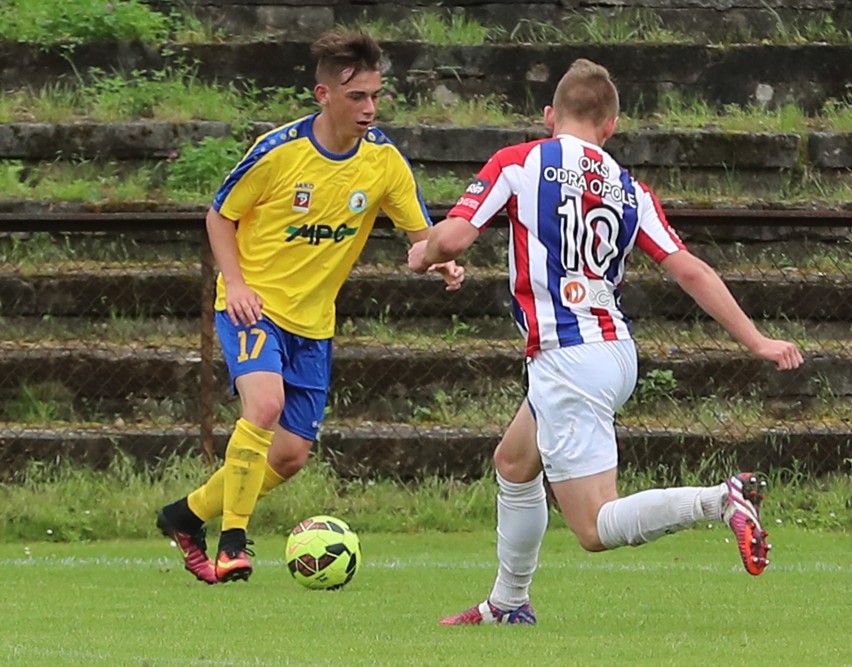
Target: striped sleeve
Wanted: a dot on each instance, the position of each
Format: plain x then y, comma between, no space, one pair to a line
491,189
656,236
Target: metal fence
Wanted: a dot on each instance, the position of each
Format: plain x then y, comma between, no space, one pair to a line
106,344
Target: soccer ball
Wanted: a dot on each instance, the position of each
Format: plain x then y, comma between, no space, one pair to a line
323,553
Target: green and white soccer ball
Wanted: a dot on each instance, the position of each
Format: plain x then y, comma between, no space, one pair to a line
323,553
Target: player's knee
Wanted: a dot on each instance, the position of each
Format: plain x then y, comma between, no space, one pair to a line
264,412
289,461
515,468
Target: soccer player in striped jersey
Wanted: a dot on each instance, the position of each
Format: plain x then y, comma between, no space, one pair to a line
286,227
575,214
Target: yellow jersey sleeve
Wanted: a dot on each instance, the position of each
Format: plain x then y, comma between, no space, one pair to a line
246,186
402,201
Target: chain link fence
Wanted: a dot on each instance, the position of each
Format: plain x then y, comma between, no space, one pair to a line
106,344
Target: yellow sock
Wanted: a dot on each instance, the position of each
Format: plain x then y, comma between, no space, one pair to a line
207,500
245,462
271,479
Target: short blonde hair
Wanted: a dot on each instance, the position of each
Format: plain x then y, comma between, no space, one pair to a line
586,93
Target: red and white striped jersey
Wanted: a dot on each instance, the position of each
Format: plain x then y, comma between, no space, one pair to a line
574,215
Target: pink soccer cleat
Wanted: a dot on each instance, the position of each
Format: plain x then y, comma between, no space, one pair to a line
193,546
742,514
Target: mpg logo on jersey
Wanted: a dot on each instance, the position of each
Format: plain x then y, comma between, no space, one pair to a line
317,233
358,201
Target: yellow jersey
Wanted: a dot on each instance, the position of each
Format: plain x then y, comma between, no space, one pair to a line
304,215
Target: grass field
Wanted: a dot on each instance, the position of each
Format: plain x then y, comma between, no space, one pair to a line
684,600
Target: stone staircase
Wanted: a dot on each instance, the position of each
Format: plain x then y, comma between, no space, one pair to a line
101,333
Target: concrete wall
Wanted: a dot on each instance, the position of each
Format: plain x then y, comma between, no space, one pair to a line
716,20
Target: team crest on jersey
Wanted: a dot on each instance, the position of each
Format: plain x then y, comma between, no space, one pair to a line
358,201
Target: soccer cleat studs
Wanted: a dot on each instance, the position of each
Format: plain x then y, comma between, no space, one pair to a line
742,514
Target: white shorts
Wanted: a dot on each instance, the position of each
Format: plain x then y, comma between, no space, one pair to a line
574,393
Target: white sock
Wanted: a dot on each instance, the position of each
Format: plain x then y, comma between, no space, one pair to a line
521,523
647,515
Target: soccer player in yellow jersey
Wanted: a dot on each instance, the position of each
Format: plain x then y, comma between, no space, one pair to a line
286,228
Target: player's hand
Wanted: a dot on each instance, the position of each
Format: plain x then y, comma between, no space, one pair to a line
243,305
786,356
417,257
452,273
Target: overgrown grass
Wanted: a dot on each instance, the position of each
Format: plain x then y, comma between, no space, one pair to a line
193,172
614,26
82,21
74,22
62,502
733,186
432,27
677,111
176,94
65,502
35,252
446,28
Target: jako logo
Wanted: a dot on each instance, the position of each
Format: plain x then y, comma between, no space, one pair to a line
316,233
575,292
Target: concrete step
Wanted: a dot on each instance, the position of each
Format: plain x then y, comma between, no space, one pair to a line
447,147
156,291
695,20
524,74
376,375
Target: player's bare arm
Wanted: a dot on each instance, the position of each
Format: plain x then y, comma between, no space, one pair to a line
442,243
452,273
243,304
704,285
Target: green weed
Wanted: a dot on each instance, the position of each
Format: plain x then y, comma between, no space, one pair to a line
657,385
13,180
816,30
443,28
41,403
448,29
201,167
79,21
484,110
623,26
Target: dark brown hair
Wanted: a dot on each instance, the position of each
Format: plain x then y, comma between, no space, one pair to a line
343,54
586,93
